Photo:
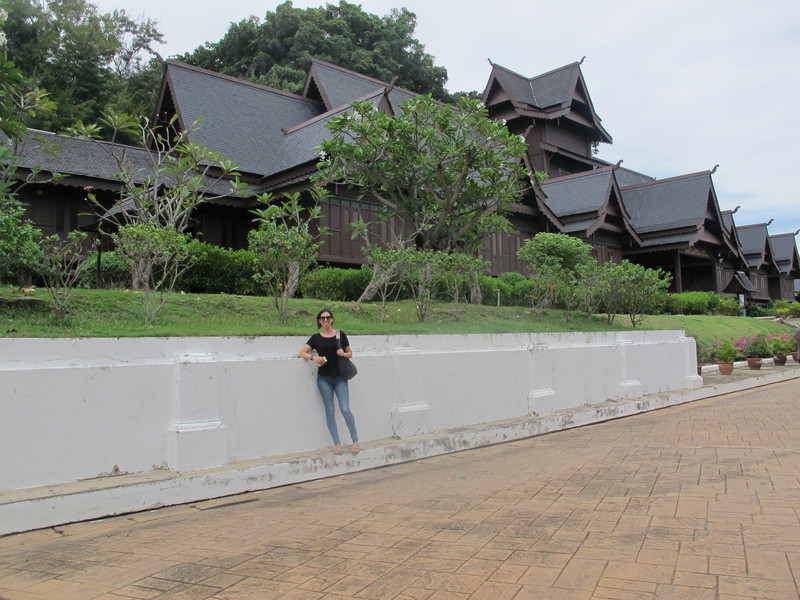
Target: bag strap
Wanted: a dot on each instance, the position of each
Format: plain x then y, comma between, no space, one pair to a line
338,340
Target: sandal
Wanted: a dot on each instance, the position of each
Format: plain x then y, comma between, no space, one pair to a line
338,449
354,449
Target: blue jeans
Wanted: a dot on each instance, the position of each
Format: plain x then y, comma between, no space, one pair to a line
327,386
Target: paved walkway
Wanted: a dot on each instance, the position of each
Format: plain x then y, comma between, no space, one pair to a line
697,501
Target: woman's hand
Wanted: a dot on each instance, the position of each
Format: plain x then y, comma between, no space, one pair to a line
319,360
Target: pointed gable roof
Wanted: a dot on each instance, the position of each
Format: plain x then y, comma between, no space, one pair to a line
336,86
584,202
729,224
627,177
785,249
558,93
757,247
578,194
299,144
239,119
677,210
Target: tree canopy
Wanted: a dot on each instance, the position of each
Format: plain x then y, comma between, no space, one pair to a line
82,57
447,172
275,52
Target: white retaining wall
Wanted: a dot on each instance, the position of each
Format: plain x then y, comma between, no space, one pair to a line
77,409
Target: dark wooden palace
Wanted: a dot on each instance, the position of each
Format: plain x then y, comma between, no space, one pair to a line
674,224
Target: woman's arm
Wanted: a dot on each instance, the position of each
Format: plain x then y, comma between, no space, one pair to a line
347,352
306,354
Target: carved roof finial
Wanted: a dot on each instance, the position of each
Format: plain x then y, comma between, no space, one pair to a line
770,222
581,60
738,206
490,61
616,166
714,170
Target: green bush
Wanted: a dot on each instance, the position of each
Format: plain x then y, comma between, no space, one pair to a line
217,270
728,306
522,292
511,277
113,272
515,290
331,283
489,286
756,310
785,308
693,303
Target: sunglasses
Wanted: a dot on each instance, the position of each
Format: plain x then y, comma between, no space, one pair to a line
326,318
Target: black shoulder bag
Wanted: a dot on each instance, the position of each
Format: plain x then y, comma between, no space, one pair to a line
346,367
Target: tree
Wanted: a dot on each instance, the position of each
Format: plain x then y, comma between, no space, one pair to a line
560,266
460,270
83,57
557,253
446,172
638,289
19,240
385,264
275,52
19,248
160,192
285,245
59,267
418,268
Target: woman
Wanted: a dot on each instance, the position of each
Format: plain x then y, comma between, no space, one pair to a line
328,379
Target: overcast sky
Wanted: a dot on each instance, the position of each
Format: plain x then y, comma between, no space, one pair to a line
681,85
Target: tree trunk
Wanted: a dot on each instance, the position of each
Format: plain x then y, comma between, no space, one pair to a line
292,281
381,277
475,292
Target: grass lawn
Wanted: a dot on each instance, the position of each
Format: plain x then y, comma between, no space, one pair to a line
118,313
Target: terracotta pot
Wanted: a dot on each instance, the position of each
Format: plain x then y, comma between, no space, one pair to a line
779,360
725,368
754,363
794,357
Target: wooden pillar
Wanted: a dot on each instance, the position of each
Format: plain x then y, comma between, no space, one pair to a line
678,274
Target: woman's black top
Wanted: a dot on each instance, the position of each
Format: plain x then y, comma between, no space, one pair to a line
326,346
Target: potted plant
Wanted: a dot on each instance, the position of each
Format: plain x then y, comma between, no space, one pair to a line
781,346
705,356
725,355
756,349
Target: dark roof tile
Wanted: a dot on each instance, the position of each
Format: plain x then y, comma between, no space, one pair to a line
666,204
239,119
574,195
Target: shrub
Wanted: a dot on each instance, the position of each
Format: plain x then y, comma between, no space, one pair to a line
754,347
725,352
217,270
511,277
756,310
515,290
728,306
331,283
113,271
706,354
521,294
693,303
784,308
489,286
781,344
